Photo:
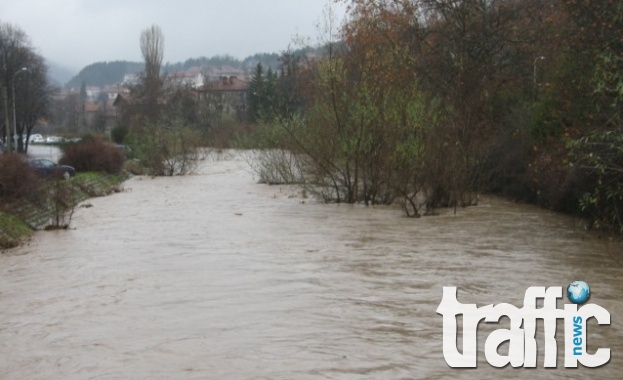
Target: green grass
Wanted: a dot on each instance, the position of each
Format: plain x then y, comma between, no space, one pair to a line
98,184
13,231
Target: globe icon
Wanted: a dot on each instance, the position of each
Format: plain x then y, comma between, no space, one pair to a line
578,292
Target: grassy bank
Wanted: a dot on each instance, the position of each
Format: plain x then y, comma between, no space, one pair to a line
51,205
12,231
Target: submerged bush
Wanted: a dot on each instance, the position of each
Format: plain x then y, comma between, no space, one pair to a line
166,150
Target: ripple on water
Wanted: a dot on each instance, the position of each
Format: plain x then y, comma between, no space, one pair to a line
215,276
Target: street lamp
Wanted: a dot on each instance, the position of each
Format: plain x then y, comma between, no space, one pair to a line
534,74
14,116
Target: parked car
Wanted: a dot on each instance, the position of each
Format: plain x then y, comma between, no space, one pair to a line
54,140
36,139
50,169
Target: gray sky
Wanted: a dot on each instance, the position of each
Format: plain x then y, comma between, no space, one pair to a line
75,33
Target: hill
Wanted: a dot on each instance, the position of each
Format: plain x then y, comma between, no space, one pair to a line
107,73
104,73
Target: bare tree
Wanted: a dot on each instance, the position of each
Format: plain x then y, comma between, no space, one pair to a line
14,51
152,48
33,98
65,111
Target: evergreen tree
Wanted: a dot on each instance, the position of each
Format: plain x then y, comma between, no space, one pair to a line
290,100
255,93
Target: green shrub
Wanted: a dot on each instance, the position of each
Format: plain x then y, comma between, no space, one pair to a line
118,134
166,150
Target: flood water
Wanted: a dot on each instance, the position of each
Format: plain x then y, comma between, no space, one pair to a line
213,276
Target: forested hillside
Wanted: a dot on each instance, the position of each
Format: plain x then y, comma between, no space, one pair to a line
104,73
107,73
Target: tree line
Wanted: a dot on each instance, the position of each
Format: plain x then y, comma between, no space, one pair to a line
426,102
25,94
432,102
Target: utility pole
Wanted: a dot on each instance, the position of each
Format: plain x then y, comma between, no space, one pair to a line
536,88
7,129
14,115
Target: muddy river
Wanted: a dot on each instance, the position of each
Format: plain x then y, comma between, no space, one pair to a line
213,276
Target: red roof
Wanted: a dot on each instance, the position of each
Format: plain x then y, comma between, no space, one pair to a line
231,83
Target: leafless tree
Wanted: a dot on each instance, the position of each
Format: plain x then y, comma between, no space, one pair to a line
14,52
150,90
152,48
64,111
33,98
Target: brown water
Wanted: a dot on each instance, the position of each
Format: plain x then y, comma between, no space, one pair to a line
213,276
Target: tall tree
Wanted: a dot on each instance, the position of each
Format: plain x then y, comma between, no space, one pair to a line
152,48
33,98
288,85
598,153
14,53
150,90
83,104
255,94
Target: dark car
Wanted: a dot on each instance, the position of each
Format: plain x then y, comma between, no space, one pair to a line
47,168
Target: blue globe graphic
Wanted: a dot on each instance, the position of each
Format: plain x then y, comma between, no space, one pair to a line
578,292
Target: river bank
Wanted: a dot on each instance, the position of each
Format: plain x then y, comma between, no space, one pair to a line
51,204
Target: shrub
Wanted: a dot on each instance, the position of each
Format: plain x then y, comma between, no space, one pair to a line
166,149
118,133
93,155
64,198
17,178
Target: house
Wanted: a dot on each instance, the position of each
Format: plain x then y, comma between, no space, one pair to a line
112,91
100,116
226,95
121,104
192,77
92,92
130,79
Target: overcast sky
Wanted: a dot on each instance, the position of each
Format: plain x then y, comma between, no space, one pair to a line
75,33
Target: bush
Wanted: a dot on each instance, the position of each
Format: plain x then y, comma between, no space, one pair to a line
93,155
17,178
118,133
277,166
166,149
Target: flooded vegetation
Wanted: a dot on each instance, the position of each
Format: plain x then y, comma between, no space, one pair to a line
407,109
215,276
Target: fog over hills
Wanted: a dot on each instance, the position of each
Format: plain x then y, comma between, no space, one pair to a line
58,74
